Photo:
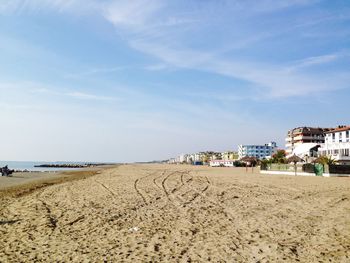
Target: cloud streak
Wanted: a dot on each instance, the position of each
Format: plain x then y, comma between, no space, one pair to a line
162,30
37,6
273,80
319,60
36,88
87,96
95,71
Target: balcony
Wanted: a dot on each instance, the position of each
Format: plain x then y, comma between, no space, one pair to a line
340,157
335,145
315,138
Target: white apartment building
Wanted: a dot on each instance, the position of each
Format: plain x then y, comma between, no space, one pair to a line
258,151
302,135
337,144
182,158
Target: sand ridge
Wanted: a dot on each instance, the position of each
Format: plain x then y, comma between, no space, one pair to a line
175,213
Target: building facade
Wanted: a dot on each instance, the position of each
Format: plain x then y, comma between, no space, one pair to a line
337,145
229,155
221,163
301,135
258,151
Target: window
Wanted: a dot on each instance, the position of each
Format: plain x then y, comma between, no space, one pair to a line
333,137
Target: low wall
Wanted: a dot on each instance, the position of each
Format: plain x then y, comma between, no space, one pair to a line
339,169
335,175
286,173
307,170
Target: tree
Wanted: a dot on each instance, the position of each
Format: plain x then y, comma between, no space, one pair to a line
264,163
324,159
279,157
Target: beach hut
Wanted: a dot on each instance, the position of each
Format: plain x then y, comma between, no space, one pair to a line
294,159
249,159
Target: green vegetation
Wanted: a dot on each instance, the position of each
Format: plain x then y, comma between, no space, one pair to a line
326,160
279,157
238,164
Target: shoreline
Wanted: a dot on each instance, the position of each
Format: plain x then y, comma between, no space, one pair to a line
28,182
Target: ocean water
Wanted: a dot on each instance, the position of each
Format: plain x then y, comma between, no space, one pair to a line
17,165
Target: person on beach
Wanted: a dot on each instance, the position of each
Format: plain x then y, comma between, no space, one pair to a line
5,171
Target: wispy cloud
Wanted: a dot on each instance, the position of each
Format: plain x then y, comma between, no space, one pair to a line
159,29
36,88
318,60
270,79
35,6
267,6
130,13
87,96
156,67
95,71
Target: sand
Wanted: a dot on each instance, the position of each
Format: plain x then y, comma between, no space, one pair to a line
22,183
176,213
25,178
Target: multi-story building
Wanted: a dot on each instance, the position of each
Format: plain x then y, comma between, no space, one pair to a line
337,144
258,151
181,158
229,155
301,135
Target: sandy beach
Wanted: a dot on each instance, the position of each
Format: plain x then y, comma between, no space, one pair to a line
21,183
176,213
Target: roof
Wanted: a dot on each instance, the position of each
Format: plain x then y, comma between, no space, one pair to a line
340,129
316,130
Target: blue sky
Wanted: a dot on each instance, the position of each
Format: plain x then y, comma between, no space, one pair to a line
140,80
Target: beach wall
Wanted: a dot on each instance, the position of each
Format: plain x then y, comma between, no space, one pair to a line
286,173
306,170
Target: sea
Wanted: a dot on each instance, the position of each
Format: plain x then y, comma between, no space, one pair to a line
18,165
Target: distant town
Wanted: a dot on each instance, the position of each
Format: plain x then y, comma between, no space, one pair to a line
309,144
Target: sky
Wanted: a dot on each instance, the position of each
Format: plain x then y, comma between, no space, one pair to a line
142,80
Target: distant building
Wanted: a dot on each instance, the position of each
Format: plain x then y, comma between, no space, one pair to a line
183,158
221,163
215,156
198,157
189,158
337,144
258,151
172,160
229,155
301,135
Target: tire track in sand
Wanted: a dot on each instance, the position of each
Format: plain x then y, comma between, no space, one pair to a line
198,193
172,192
138,189
183,203
106,188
